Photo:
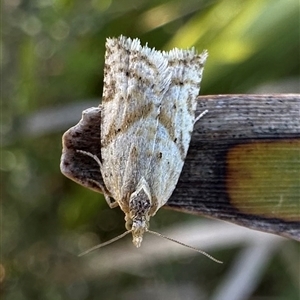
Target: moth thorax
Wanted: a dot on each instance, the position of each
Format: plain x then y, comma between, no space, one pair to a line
138,218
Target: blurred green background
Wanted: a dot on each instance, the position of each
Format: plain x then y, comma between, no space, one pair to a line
52,60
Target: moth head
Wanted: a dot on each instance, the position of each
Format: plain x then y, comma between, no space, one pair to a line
137,227
137,220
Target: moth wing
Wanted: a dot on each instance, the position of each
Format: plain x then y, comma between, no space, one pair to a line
176,122
136,80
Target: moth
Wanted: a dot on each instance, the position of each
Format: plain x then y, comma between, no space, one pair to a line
147,119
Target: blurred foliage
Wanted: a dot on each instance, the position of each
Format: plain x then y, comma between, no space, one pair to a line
53,54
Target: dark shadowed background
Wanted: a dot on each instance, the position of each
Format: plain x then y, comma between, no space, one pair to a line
52,67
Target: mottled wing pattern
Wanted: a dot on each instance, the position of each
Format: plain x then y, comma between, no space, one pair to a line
135,81
176,122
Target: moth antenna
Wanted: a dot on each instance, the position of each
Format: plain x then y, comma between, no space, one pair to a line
200,116
185,245
105,243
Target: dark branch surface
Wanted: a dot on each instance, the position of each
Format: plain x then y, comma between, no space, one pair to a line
205,185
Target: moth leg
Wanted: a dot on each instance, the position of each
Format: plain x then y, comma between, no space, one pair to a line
200,116
111,202
95,157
